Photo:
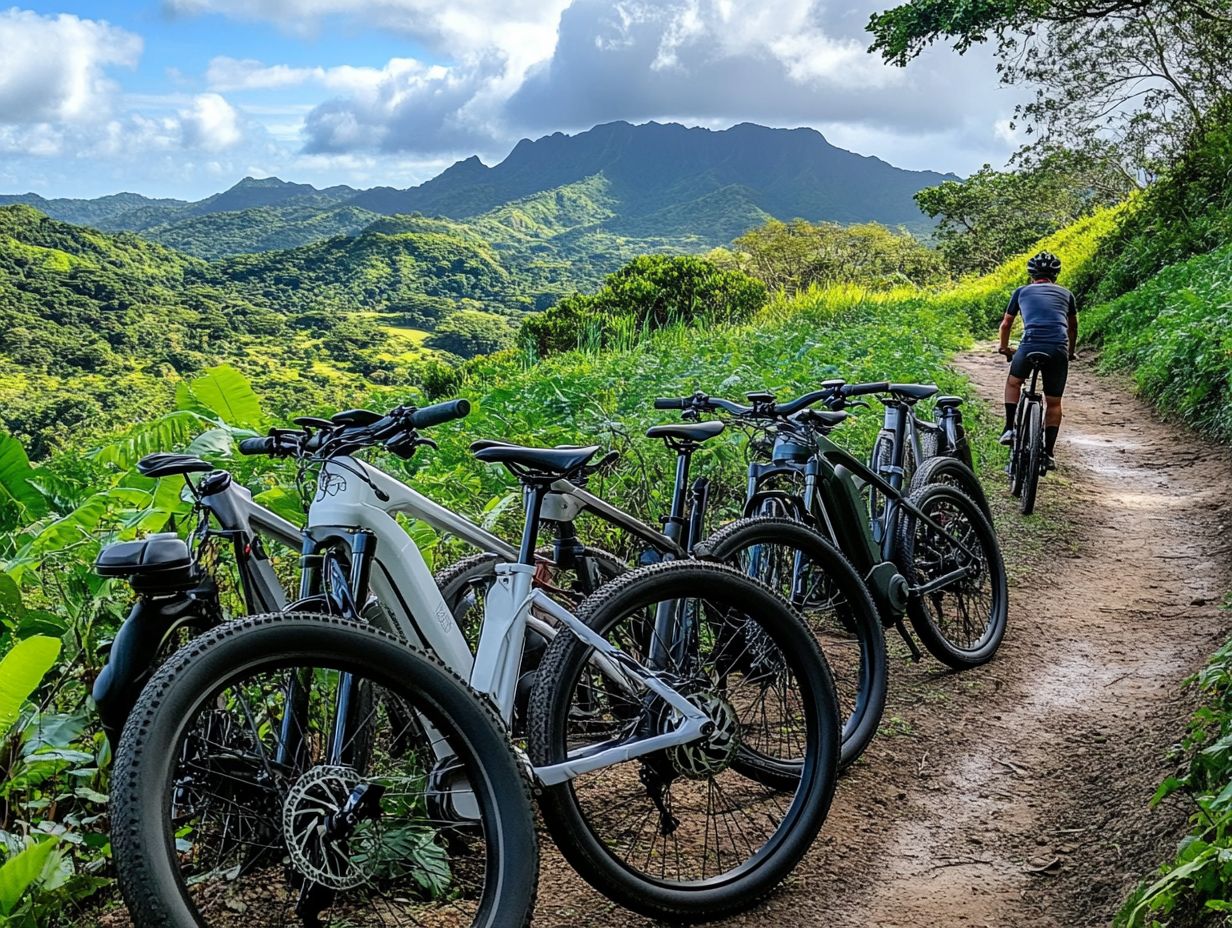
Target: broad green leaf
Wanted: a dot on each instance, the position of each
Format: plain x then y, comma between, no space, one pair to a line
225,391
166,433
11,607
212,443
283,502
15,476
21,670
21,870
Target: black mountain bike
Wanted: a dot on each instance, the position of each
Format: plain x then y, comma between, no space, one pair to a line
823,587
912,453
1027,456
938,563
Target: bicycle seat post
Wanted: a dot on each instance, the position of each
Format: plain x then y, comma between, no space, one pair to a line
675,523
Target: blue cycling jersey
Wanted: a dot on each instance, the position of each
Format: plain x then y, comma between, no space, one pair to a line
1046,308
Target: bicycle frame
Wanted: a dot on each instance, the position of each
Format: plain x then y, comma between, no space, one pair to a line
356,506
833,501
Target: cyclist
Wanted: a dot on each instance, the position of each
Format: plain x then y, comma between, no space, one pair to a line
1050,325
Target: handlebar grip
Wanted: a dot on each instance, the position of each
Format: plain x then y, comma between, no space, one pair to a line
440,413
251,446
665,402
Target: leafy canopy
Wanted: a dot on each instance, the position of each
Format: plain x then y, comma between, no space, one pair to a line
648,293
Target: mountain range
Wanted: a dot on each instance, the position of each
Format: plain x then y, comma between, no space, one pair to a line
663,184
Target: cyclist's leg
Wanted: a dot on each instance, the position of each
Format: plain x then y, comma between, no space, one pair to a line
1013,390
1056,373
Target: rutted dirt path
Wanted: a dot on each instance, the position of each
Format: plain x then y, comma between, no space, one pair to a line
1016,794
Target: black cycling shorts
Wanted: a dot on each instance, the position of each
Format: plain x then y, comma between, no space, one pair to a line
1055,370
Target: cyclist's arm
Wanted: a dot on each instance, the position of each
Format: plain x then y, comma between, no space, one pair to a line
1007,324
1073,326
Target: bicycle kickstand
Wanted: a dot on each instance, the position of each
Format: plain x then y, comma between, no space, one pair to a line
914,648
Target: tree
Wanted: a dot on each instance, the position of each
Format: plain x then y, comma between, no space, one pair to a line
648,293
794,256
468,333
1142,73
994,215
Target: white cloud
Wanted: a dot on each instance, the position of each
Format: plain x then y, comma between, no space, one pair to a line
211,123
409,106
53,68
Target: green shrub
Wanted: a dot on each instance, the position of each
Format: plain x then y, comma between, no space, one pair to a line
1174,332
1196,887
648,293
469,333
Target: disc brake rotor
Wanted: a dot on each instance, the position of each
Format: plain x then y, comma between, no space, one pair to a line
713,753
324,844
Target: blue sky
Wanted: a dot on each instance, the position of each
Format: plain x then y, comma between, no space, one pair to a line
184,97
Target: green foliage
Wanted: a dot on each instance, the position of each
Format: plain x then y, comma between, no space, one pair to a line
1186,212
1175,333
649,293
797,255
469,333
1197,884
21,670
20,871
994,215
983,299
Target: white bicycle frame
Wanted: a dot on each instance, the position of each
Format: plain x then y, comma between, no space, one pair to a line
352,495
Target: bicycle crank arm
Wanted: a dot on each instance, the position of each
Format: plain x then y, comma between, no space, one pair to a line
944,580
596,757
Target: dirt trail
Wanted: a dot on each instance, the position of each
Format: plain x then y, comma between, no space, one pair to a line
1016,794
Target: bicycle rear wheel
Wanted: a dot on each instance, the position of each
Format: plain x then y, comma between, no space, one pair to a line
807,571
1032,458
952,471
232,807
963,618
687,832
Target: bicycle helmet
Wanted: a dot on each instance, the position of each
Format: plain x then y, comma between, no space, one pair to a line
1045,264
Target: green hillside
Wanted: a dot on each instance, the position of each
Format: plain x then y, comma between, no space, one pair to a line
98,327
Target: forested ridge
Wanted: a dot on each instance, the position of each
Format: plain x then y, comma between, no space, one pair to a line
559,316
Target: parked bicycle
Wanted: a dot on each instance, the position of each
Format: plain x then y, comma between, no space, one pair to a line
824,588
938,561
702,696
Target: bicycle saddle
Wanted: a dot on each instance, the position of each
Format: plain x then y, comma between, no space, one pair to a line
913,391
949,401
360,417
552,462
165,464
825,418
686,431
1037,357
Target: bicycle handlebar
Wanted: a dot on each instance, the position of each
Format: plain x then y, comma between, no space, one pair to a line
439,414
395,430
833,394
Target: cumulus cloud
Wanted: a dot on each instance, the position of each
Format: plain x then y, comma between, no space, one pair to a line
513,69
54,68
783,61
211,123
226,73
409,107
524,30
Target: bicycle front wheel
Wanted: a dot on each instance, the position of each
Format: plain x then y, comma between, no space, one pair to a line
807,571
1032,461
237,800
949,554
688,832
